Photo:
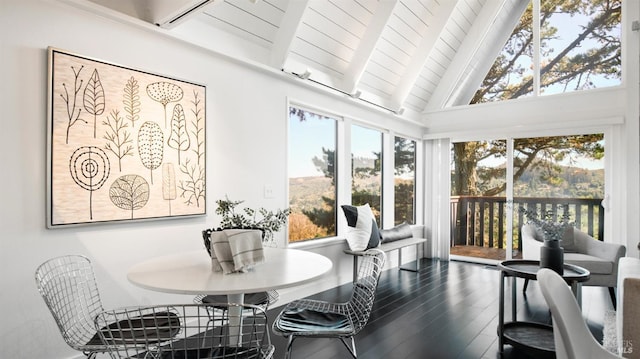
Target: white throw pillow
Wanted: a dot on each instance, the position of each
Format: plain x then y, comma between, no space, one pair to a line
362,232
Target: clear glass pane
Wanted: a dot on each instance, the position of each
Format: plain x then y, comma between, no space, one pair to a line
551,172
511,75
366,165
312,189
404,180
580,45
478,202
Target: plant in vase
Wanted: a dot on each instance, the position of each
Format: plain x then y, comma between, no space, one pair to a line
551,252
265,220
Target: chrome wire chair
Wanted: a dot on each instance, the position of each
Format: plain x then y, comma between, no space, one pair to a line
182,331
321,319
68,286
572,336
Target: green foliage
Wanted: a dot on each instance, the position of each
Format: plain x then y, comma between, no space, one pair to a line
594,52
551,229
538,155
268,222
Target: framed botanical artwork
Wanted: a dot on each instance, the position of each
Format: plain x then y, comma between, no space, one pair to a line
123,144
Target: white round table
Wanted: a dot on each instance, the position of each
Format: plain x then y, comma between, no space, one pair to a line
191,273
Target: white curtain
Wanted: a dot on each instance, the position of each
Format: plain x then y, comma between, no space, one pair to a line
437,196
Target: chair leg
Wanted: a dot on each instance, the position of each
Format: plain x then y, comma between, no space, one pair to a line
352,348
612,294
287,354
526,283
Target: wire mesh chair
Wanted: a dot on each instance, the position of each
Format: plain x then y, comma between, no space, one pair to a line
68,286
182,331
321,319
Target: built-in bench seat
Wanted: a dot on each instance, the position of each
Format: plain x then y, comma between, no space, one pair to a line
416,240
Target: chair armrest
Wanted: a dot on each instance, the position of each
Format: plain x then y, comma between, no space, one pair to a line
530,245
608,251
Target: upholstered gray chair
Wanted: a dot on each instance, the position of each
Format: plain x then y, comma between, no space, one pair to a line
321,319
600,258
572,337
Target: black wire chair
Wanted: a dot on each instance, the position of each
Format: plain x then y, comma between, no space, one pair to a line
321,319
184,331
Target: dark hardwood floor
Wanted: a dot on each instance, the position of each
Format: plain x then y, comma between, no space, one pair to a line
447,310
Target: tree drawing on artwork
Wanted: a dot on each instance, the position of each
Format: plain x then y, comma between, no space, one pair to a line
73,111
119,140
89,167
94,99
129,192
179,137
131,100
193,187
168,183
165,92
151,146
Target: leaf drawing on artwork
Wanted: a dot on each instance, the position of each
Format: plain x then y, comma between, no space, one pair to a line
129,192
198,128
168,183
192,189
151,145
94,99
164,92
119,141
73,110
89,167
131,100
179,137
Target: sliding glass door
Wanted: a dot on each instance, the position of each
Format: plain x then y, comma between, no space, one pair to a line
492,179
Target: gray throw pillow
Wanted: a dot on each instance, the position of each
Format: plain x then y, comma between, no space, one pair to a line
396,233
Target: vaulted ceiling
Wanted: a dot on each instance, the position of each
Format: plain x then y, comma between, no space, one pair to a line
406,56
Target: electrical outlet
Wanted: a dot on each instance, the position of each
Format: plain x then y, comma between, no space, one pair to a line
268,191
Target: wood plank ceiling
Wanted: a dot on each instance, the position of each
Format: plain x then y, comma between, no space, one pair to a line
406,56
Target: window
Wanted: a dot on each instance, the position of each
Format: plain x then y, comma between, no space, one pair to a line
579,48
312,174
404,180
366,169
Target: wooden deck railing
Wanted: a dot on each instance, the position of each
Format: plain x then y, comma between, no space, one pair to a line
481,221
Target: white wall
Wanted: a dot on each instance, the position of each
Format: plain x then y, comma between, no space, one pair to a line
246,149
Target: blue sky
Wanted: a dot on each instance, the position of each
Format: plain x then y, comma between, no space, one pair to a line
306,140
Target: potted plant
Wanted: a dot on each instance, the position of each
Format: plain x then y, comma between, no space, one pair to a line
265,220
551,253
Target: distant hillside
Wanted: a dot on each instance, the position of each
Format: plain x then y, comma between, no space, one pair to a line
303,192
572,182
